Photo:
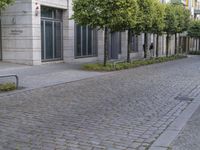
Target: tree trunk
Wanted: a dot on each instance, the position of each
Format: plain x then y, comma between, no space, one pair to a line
196,44
199,43
145,44
105,46
176,44
129,45
188,49
181,45
157,46
167,45
193,44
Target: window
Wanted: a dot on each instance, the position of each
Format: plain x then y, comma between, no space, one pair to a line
51,13
86,42
134,43
51,34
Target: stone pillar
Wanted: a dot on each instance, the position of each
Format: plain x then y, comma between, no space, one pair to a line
100,45
17,33
68,34
124,44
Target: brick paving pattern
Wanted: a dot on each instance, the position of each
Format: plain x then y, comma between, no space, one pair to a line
124,110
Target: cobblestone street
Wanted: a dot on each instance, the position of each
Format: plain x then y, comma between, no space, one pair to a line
124,110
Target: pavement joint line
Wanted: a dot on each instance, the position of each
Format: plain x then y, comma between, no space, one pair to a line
173,130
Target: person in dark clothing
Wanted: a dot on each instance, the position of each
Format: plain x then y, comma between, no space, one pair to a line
151,47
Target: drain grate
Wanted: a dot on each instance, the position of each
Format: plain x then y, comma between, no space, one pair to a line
184,98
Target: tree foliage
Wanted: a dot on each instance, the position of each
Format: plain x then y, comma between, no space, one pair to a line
94,13
187,20
194,29
159,16
170,19
123,15
145,15
181,17
5,3
117,15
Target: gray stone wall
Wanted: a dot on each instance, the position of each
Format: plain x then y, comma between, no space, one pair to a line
17,39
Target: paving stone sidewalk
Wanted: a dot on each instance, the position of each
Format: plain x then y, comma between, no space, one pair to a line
124,110
189,138
31,77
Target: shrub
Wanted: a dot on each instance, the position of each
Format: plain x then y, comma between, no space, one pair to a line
133,64
194,52
7,87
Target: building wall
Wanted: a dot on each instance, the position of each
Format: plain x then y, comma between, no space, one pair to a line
17,36
62,4
21,35
21,30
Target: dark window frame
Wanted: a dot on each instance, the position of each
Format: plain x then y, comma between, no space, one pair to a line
134,43
93,44
54,21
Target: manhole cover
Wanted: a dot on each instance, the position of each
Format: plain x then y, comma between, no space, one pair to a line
184,98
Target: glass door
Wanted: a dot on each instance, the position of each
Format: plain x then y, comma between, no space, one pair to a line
57,40
48,40
51,34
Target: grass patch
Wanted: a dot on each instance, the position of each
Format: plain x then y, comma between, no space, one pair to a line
194,53
133,64
7,87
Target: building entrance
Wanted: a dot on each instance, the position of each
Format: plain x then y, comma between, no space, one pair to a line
51,34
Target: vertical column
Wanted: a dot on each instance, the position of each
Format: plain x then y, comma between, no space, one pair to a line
124,44
100,42
68,34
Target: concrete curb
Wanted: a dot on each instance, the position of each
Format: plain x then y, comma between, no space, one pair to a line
171,133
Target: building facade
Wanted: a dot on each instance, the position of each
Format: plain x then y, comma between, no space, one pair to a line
34,32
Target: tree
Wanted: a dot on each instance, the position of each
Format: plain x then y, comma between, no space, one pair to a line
183,20
5,3
171,23
187,21
124,16
194,29
108,15
158,22
95,14
145,20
